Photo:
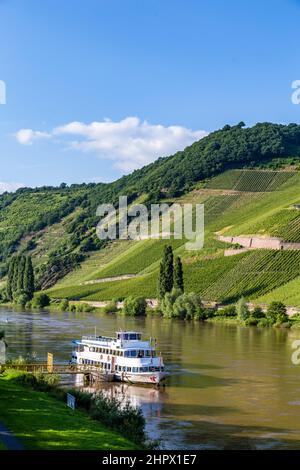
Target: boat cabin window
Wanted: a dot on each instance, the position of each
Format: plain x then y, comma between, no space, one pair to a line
129,336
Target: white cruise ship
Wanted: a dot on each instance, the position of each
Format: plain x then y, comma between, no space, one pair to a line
127,357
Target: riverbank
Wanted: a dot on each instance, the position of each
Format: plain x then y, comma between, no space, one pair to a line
42,422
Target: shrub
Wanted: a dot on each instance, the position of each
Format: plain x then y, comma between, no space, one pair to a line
229,311
258,313
242,309
20,297
188,307
40,300
251,321
276,313
183,306
263,322
64,305
111,307
135,306
126,419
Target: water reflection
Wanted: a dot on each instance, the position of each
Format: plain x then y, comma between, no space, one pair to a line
229,387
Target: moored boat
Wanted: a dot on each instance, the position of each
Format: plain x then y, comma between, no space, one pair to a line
127,357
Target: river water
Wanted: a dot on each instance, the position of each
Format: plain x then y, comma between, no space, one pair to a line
229,387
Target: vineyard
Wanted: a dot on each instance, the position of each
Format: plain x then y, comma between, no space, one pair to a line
250,180
288,293
142,286
137,258
256,274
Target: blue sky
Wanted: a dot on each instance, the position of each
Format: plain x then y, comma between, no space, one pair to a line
152,75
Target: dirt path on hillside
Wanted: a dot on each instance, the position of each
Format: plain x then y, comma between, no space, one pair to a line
109,279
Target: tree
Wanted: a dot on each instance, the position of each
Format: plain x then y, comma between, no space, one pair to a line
165,280
40,300
15,275
276,313
28,283
178,275
10,276
242,309
135,306
258,313
21,272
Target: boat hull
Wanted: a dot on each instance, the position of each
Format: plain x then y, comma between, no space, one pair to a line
154,378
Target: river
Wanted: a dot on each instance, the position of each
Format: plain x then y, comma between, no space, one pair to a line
229,387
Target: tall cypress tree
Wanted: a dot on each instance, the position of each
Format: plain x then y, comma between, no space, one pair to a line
29,277
10,276
15,274
178,274
21,272
169,268
165,279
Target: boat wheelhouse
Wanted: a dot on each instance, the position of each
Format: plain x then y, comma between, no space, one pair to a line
127,357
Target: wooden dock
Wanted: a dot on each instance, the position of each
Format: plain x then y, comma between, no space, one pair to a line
91,373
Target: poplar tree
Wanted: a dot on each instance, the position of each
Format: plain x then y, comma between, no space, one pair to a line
178,274
28,284
21,271
10,277
165,279
15,275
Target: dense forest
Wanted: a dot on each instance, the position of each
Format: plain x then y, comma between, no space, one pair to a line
28,215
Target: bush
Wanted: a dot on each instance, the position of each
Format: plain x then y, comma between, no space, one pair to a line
229,311
183,306
126,419
20,297
40,300
111,307
258,313
251,321
64,305
84,307
276,313
242,309
135,306
263,322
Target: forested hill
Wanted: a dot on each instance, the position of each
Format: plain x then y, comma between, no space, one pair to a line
230,147
57,225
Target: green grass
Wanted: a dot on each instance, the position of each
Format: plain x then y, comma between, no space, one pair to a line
44,423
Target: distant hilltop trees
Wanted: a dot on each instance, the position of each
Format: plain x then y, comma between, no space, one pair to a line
20,279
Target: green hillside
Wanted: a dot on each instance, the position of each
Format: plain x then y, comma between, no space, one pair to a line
247,179
209,272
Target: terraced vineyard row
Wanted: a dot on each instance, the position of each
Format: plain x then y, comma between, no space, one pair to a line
290,232
139,257
250,180
255,275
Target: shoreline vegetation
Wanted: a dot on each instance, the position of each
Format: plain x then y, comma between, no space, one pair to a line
175,305
33,407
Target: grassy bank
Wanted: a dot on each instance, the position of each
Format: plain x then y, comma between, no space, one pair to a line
42,422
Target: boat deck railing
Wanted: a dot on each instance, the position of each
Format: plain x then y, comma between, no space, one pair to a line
45,368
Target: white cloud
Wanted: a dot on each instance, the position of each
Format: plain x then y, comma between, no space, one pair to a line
129,143
10,187
27,136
